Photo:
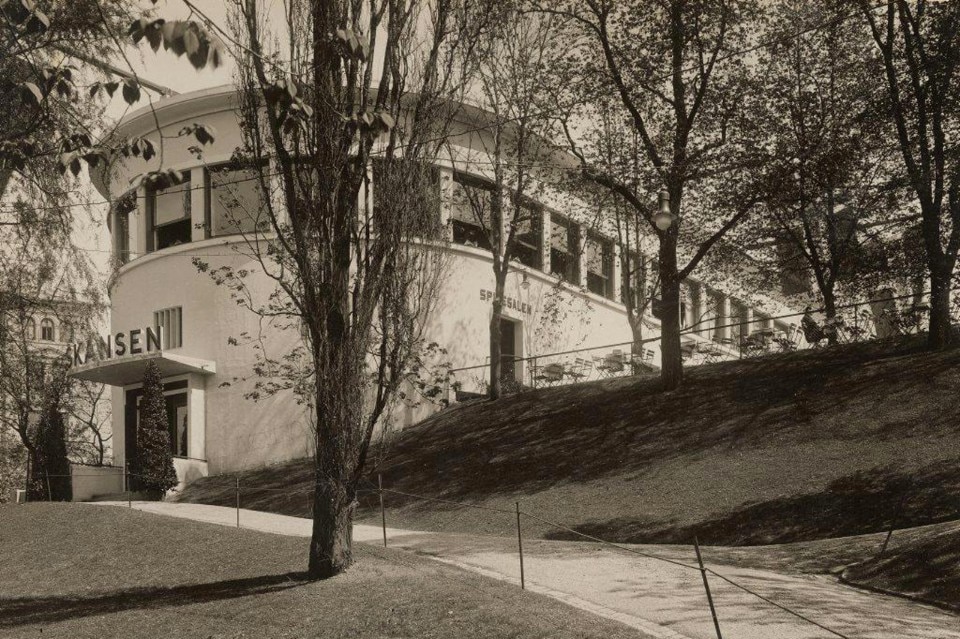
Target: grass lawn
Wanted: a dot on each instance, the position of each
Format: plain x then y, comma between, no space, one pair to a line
798,447
74,570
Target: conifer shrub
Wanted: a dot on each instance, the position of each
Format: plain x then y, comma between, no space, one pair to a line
152,465
51,471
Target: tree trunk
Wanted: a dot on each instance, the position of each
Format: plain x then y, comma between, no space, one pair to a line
332,539
830,310
940,336
496,338
671,361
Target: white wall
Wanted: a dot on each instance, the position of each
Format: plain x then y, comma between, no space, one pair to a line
93,481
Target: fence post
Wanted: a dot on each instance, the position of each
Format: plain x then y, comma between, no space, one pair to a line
893,525
383,514
26,483
46,472
520,546
126,483
706,586
238,501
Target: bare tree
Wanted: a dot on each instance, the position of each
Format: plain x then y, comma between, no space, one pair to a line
515,56
357,86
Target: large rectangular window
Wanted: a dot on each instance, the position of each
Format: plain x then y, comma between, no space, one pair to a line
633,275
599,265
470,211
169,215
528,237
169,321
235,201
406,198
564,249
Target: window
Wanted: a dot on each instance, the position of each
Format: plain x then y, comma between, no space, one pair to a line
46,330
30,330
470,211
234,201
406,197
169,215
169,322
633,272
599,266
528,238
564,249
178,423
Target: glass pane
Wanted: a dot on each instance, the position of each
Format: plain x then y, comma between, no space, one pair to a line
177,423
236,202
171,204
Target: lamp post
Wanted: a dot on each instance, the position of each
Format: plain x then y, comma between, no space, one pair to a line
664,217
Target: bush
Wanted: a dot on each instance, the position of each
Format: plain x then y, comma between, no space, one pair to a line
51,471
152,465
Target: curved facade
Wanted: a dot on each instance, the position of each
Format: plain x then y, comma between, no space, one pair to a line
164,309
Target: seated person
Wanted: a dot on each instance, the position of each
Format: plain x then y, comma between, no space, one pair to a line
811,330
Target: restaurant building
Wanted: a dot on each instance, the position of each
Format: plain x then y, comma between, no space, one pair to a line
563,293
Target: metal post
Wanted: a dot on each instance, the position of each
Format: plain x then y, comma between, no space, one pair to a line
46,472
706,586
126,483
893,525
238,501
383,514
26,483
520,546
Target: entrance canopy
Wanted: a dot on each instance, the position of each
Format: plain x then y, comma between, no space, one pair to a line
123,371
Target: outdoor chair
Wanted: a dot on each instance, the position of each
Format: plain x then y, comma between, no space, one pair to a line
642,362
688,350
580,369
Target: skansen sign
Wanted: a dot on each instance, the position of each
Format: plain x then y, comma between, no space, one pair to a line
133,342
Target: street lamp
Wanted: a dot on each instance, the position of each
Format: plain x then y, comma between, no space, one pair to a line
663,218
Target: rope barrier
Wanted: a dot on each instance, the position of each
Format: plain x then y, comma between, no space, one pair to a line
449,501
775,604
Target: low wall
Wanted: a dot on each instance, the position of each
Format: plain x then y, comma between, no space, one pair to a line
93,481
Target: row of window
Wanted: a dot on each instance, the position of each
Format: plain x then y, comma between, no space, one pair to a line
471,212
48,330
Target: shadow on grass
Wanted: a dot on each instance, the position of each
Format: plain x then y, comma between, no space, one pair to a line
864,502
23,611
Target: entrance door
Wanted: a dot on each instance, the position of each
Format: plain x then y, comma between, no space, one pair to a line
508,350
175,398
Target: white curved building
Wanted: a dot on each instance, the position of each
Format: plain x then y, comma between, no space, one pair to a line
157,235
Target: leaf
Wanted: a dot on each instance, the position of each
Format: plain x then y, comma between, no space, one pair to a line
111,88
191,43
75,166
32,91
95,89
148,150
131,91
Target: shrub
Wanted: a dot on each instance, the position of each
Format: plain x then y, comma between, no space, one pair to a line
153,462
51,474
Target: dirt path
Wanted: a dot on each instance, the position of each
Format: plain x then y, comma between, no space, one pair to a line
664,600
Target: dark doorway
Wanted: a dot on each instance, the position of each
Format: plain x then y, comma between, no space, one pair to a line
177,423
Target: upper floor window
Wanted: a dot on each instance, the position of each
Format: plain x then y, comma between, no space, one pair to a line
406,198
235,201
564,249
168,213
528,237
470,211
599,265
46,330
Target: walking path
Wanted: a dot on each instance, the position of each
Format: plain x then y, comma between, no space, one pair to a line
664,600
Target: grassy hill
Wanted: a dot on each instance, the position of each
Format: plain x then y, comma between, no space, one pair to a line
78,571
787,448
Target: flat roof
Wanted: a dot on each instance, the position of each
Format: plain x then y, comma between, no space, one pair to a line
123,371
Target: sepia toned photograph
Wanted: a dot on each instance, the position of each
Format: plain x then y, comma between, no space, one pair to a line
480,319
